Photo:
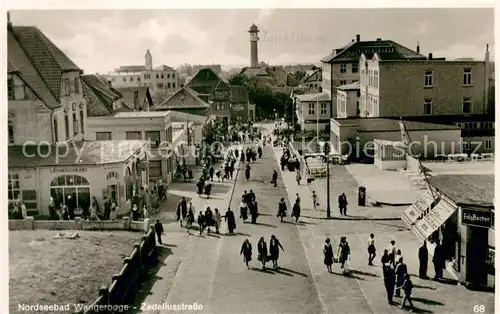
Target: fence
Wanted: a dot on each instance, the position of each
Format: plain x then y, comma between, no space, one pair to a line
114,298
79,224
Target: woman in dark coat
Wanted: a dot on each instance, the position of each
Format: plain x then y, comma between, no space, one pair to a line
199,185
201,222
208,190
254,212
231,221
209,219
274,252
328,254
296,211
242,159
282,209
246,251
262,249
247,172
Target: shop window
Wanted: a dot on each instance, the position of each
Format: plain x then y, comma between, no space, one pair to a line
133,135
61,188
154,138
103,136
490,260
155,169
14,187
29,198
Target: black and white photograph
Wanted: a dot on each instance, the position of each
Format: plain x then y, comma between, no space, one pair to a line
272,159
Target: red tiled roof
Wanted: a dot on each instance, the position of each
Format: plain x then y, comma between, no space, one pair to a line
19,60
47,58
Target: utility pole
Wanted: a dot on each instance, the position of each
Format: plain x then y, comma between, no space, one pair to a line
327,153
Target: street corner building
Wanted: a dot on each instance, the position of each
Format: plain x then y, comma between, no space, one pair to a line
47,125
458,211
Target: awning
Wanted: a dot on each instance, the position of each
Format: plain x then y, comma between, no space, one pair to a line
423,221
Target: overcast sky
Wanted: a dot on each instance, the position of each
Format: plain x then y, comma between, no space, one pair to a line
99,41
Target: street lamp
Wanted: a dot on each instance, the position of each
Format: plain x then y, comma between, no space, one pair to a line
327,153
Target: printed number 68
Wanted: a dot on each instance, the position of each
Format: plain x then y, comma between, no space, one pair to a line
478,308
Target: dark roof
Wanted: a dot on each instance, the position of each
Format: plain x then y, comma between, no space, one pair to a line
253,28
100,96
131,68
19,60
391,125
204,81
168,104
251,72
352,52
312,75
164,68
47,59
279,73
466,189
239,94
91,153
129,92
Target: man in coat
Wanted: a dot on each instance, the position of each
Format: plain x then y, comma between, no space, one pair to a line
389,282
343,204
438,261
423,258
159,230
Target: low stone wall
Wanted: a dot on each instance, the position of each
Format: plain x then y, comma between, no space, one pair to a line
78,224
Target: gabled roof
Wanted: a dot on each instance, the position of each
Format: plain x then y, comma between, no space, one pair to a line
168,104
252,72
46,58
353,51
312,76
466,189
100,96
20,62
204,81
352,86
164,68
239,94
313,97
129,94
278,72
131,68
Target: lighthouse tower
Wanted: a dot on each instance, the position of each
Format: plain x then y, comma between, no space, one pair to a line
254,38
149,60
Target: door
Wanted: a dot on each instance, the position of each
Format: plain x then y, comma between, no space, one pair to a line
113,193
477,250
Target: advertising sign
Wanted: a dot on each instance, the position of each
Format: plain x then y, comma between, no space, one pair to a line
435,219
418,209
477,218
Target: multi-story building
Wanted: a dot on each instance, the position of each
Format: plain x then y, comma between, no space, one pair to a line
313,112
47,123
312,80
348,97
431,90
102,99
185,100
161,80
341,67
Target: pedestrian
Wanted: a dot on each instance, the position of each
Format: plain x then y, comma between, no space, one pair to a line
343,253
135,213
328,255
371,249
259,151
145,213
93,213
190,217
251,196
315,200
217,174
438,261
391,250
298,177
401,270
343,204
190,174
423,259
211,172
297,198
254,212
296,211
217,220
247,172
398,256
246,251
243,210
113,211
385,260
282,209
53,209
199,185
275,178
231,221
407,287
107,208
208,190
389,282
85,213
159,230
201,222
209,219
262,250
274,252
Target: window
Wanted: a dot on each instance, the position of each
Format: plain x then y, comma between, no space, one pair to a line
466,105
56,130
71,185
311,108
162,77
29,200
487,144
343,82
466,146
77,86
103,136
10,88
343,68
138,79
375,77
11,132
82,122
157,76
160,85
173,75
155,169
133,135
67,87
323,108
75,124
168,85
124,79
355,67
168,75
467,77
147,76
428,79
66,125
14,187
154,137
173,85
428,106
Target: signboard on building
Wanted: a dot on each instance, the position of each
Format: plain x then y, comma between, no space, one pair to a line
68,170
477,218
435,219
418,209
238,108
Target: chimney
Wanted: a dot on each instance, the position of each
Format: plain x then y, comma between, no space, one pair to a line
418,47
9,24
430,56
358,38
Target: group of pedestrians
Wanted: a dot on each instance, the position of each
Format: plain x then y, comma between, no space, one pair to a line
249,204
264,256
282,209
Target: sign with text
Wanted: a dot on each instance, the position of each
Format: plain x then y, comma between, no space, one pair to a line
477,218
435,219
68,170
418,209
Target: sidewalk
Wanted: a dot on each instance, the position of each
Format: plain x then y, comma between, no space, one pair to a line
189,256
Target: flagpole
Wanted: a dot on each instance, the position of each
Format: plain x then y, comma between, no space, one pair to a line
407,141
